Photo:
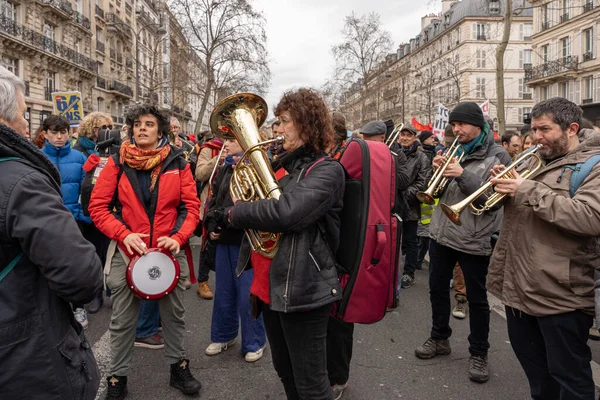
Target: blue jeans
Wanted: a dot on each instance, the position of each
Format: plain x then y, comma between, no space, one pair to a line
148,319
232,303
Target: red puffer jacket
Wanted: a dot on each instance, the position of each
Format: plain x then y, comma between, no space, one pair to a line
119,211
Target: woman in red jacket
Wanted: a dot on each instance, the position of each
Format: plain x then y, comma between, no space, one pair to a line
146,197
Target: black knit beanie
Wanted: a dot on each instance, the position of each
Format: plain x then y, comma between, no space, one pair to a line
468,112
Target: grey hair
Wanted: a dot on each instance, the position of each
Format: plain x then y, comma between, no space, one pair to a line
562,111
175,119
10,84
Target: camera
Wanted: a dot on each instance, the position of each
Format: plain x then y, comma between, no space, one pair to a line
109,142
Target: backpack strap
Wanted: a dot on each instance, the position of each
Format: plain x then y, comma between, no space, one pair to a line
18,257
581,172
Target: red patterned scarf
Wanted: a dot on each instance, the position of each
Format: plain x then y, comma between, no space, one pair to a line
144,160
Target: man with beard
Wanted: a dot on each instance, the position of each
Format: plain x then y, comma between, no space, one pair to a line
543,264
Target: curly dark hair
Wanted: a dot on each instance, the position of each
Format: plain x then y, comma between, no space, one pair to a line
164,122
562,111
311,117
55,123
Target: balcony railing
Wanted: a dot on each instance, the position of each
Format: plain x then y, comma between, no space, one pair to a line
99,11
587,101
119,24
122,88
589,6
564,17
43,43
545,25
588,56
551,68
527,96
101,82
100,46
188,114
61,5
82,20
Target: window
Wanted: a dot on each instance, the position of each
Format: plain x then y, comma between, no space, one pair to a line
545,17
544,93
545,53
522,111
11,64
479,31
564,12
50,85
525,59
527,31
563,89
588,44
9,10
101,104
588,89
480,57
524,90
166,95
494,6
566,46
480,88
48,31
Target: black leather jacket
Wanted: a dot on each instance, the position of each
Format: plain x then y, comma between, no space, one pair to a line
303,275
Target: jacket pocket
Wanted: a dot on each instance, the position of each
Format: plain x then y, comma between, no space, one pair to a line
80,365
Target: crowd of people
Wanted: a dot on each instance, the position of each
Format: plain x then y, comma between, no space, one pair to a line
115,196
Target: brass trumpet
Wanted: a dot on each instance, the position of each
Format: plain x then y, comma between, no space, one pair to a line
493,198
394,135
438,182
238,117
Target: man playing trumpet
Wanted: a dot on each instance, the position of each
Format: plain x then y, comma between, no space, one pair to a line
469,243
544,261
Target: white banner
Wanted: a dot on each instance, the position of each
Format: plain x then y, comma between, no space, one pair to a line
441,120
485,107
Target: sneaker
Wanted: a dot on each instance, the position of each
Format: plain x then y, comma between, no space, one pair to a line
406,281
116,387
188,284
338,391
81,317
215,348
478,369
97,303
460,310
432,348
253,356
594,333
204,291
182,378
154,342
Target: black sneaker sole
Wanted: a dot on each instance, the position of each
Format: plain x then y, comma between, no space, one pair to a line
479,379
121,397
430,356
183,390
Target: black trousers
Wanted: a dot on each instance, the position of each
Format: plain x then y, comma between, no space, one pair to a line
207,259
423,249
340,338
410,246
554,354
298,347
441,267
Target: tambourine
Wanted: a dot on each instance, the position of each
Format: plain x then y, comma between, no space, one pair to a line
153,275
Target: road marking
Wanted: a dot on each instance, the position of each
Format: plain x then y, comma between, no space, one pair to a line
497,306
102,353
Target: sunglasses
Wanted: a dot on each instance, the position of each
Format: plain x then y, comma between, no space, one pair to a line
109,127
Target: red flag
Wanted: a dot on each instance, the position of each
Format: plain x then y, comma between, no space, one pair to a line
420,127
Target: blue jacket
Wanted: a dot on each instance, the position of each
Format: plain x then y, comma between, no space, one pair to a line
69,163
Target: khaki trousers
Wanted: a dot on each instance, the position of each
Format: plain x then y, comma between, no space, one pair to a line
125,310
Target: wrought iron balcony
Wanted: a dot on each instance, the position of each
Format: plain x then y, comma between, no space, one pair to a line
42,43
64,8
588,6
545,25
121,27
552,68
119,87
82,20
101,82
100,46
588,56
99,11
564,17
188,114
588,101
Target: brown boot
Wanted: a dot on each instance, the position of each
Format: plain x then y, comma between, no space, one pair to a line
204,290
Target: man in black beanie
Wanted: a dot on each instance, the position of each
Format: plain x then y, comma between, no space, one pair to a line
468,244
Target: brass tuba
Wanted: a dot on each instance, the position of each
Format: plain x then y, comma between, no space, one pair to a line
453,212
238,117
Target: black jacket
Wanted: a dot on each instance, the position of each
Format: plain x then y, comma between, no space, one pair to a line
221,199
303,273
419,171
43,351
429,152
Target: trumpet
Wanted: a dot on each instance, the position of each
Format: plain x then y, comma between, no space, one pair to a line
454,212
394,135
438,182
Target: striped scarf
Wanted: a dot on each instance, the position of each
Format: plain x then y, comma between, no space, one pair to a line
144,160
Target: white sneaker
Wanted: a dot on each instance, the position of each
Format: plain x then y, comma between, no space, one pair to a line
81,317
253,356
215,348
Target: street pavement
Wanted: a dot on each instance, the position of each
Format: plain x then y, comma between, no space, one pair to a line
383,365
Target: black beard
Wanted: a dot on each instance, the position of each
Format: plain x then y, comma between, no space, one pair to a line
556,148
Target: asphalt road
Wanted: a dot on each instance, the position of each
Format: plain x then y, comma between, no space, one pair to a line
383,366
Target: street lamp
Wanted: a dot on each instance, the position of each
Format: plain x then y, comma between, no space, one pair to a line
161,31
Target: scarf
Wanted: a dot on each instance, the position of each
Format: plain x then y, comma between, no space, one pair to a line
14,145
412,148
145,160
229,159
88,145
477,143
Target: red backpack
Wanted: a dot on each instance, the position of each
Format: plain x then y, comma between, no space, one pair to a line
369,242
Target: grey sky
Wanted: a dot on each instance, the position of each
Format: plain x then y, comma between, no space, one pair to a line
302,32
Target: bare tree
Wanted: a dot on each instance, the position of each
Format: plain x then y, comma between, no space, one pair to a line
364,47
500,50
229,36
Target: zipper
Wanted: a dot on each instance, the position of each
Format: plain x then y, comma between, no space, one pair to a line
315,261
287,281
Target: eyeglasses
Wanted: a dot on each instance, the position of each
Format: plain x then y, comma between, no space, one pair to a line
109,127
63,132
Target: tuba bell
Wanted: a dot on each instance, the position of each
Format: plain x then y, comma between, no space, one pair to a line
238,117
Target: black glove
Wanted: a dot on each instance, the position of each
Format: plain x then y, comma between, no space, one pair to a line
215,220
